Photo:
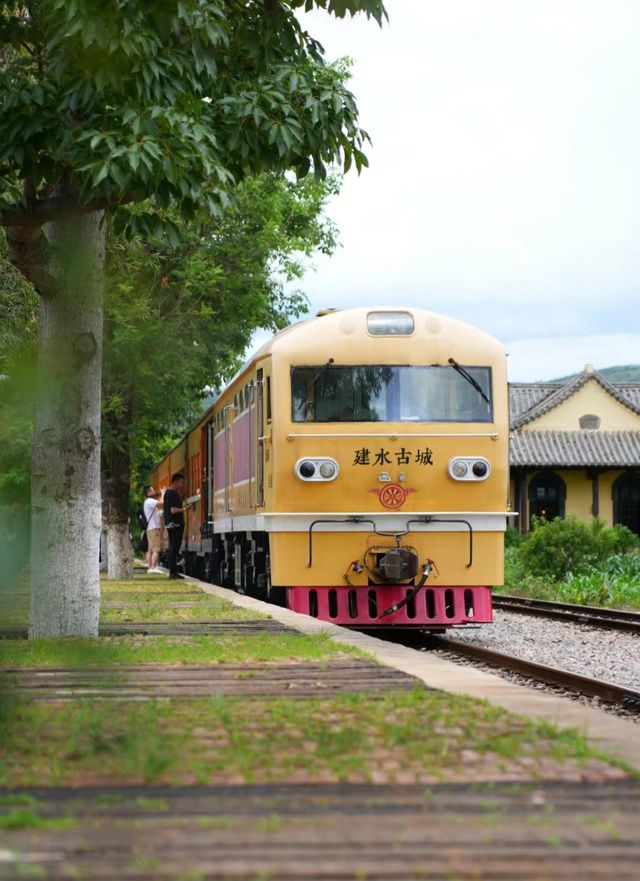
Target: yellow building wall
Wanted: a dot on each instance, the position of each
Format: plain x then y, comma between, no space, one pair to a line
579,493
591,398
606,494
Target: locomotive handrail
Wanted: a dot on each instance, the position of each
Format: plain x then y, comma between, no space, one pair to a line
449,520
334,520
388,534
393,435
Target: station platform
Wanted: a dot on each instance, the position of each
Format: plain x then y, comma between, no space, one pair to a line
207,735
617,736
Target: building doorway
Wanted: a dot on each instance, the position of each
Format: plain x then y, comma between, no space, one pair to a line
547,496
626,501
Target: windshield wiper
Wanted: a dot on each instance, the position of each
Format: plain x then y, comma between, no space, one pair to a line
318,375
466,375
308,404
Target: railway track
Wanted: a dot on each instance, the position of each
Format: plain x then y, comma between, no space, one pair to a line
607,691
595,616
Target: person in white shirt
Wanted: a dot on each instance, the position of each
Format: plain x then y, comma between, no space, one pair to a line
152,508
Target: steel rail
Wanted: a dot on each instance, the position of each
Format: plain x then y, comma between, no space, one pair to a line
607,691
612,619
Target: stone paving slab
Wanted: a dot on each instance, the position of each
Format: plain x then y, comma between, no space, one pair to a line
531,832
176,628
301,679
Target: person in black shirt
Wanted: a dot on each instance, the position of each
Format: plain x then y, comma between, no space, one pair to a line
174,521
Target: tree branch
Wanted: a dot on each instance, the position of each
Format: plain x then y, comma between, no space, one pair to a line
30,193
29,252
56,208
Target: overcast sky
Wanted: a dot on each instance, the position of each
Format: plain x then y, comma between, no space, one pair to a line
504,179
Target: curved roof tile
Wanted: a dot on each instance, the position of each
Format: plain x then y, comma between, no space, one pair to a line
528,404
575,449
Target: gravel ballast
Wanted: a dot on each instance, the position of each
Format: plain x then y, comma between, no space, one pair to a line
610,655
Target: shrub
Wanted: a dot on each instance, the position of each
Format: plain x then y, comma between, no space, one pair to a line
514,568
616,540
626,566
585,590
513,538
600,588
558,547
561,547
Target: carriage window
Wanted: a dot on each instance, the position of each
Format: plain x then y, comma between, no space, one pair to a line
268,397
390,394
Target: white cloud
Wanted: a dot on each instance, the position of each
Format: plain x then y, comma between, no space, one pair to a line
504,185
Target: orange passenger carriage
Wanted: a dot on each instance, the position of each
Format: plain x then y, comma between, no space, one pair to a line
356,469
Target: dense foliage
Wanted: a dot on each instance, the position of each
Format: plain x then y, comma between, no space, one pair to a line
178,319
174,100
576,561
18,334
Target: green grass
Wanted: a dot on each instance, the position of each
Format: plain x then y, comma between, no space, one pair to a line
160,610
152,804
145,582
595,589
614,582
147,598
156,599
219,649
128,591
17,798
24,819
245,740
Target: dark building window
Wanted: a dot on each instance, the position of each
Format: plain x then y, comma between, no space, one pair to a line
547,496
626,501
589,421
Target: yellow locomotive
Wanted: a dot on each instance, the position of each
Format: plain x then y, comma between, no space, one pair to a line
356,468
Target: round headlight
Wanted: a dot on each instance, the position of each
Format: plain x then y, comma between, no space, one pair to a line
480,469
327,470
307,469
459,469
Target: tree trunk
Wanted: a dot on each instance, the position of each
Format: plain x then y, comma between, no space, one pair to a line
116,458
66,508
119,551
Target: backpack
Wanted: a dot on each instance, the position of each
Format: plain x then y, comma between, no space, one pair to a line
142,520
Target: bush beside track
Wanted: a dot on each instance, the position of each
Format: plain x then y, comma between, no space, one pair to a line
574,561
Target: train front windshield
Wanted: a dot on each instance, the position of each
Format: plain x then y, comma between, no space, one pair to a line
391,394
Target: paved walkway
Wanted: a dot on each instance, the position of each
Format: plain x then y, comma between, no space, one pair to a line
542,832
491,830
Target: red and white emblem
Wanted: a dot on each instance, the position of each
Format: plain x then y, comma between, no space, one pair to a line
392,495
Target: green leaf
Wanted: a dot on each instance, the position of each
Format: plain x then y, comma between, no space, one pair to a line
100,174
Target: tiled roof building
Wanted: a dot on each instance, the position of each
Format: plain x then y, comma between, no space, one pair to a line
575,447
